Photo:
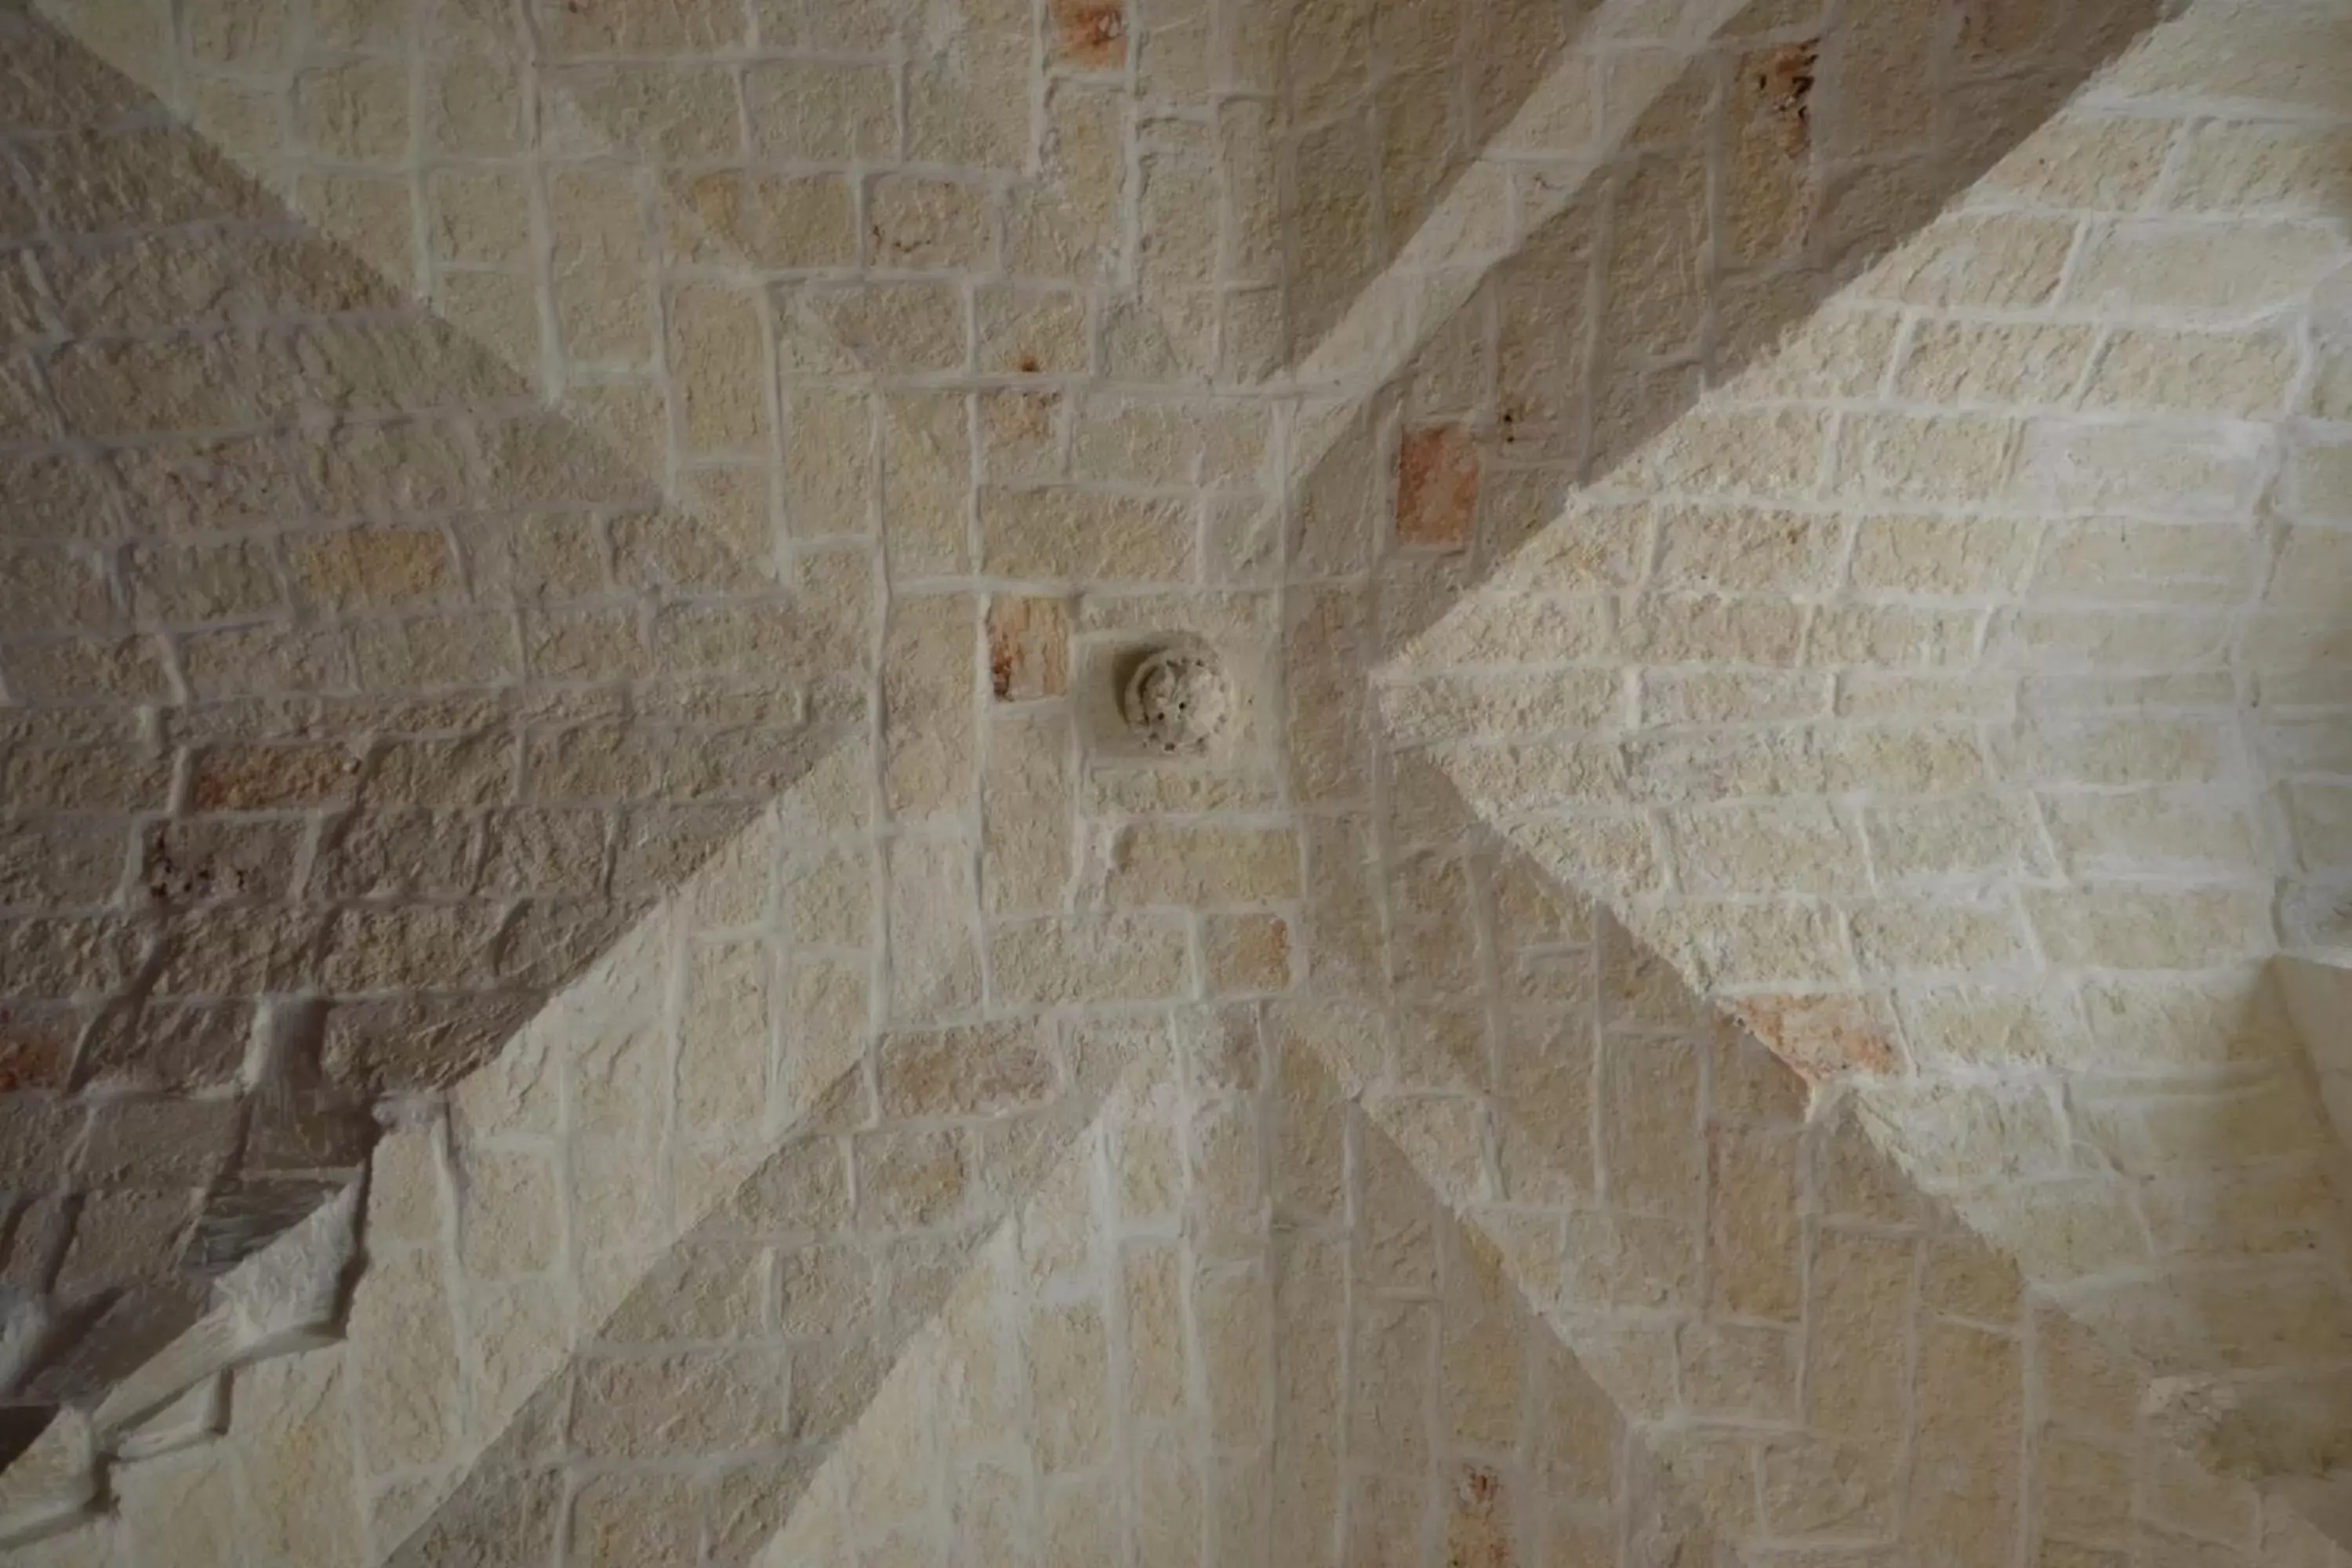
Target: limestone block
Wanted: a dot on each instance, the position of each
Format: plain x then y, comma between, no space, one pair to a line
2258,167
283,1299
1061,960
2233,270
197,1415
2086,163
1436,485
978,1070
801,110
2130,930
2009,260
1166,864
925,225
51,1485
2318,997
157,1142
1070,536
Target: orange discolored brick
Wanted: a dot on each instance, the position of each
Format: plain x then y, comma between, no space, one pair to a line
33,1050
1778,87
1028,647
1092,32
259,778
1437,486
1478,1532
1823,1037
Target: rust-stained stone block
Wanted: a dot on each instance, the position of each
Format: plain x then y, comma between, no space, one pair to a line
1028,647
1091,33
1437,486
36,1043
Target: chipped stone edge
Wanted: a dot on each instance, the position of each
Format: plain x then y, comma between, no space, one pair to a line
284,1299
53,1485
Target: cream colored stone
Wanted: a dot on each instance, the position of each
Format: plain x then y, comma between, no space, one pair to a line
1826,775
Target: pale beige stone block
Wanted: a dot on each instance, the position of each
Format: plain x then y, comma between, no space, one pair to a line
1705,629
1516,628
1151,864
2147,561
1916,936
929,682
2237,268
1744,550
933,928
1892,635
927,224
1106,958
2153,832
1994,363
2158,1127
1075,536
2311,566
831,480
1766,453
2009,260
678,1402
2182,928
1444,708
1067,1354
975,1071
899,327
1671,698
405,1359
1791,847
2084,163
2257,167
1947,1134
1938,457
2097,750
2094,644
356,113
2240,53
2245,377
718,354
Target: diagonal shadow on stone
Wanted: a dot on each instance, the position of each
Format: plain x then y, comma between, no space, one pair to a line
1315,1360
1655,1182
1360,156
1657,280
763,1333
357,701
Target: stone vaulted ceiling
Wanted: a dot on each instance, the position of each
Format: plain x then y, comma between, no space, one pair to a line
570,571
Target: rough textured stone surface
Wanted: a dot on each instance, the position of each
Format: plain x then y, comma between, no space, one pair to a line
851,1104
1997,852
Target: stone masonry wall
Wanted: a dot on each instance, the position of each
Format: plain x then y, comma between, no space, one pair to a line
1948,694
356,703
1016,1142
1272,1307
